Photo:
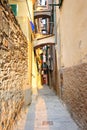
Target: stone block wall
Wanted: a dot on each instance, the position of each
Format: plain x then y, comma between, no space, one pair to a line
13,68
75,92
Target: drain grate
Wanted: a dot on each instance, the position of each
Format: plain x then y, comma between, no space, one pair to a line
47,123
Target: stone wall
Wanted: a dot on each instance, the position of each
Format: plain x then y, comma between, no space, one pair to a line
75,92
13,68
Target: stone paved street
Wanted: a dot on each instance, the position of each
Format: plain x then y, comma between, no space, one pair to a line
46,113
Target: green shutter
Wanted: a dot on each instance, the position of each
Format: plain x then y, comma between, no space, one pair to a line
14,9
60,2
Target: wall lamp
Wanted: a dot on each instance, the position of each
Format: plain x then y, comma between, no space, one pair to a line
59,5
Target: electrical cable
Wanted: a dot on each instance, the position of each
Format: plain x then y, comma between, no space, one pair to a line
28,10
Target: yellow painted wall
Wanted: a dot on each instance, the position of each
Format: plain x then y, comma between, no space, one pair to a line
72,28
22,7
34,75
24,16
25,26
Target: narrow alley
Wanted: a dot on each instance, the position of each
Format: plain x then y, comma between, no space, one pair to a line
46,112
43,65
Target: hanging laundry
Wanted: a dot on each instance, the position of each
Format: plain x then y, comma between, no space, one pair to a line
32,26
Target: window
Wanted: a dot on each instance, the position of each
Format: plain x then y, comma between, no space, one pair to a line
42,2
14,9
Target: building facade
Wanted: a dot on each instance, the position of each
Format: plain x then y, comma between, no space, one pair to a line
71,53
16,60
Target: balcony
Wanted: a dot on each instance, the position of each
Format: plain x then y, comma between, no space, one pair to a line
41,9
42,13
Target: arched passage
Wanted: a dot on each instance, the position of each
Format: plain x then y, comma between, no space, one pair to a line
44,50
46,40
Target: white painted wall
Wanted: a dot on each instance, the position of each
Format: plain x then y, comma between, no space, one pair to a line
72,25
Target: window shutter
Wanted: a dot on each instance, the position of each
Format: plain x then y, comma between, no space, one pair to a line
14,9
